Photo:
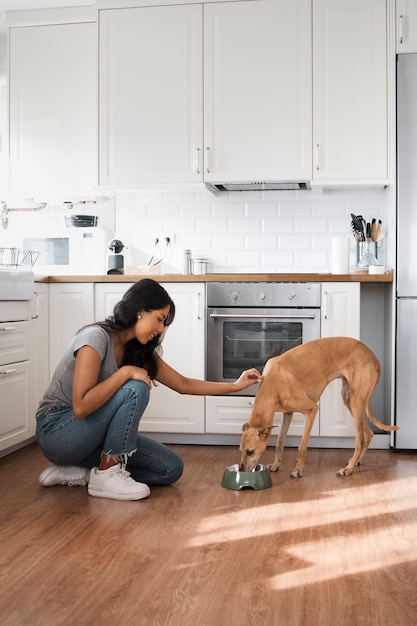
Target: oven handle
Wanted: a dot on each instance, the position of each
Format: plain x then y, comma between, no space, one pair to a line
312,316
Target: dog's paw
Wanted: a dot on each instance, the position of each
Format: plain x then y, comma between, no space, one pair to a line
297,473
272,467
344,471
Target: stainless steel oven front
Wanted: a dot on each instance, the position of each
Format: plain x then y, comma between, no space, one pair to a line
248,323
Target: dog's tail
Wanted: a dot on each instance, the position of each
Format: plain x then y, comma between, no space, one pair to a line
376,421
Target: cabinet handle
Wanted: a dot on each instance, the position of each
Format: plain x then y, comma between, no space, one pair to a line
207,160
401,29
325,305
35,317
199,306
317,157
5,372
7,329
198,169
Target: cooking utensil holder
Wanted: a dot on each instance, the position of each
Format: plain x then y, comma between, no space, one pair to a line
361,247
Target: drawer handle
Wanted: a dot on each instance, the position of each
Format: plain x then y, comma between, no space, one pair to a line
7,329
6,372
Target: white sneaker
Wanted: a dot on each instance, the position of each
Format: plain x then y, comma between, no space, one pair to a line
116,483
64,475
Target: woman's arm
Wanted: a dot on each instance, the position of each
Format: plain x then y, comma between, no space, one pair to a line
88,394
194,387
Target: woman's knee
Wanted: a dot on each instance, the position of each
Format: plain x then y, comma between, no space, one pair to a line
140,389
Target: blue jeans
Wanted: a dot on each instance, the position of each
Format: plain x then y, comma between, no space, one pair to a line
112,429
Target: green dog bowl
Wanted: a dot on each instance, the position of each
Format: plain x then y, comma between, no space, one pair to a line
258,478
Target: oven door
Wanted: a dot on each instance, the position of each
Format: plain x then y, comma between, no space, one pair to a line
238,339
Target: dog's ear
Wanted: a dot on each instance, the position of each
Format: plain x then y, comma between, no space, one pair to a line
245,427
265,432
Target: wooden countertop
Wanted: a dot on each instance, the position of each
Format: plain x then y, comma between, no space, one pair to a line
354,277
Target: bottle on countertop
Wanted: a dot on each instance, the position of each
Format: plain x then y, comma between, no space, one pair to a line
187,262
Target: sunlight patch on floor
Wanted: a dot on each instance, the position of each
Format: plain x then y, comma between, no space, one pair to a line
336,557
333,508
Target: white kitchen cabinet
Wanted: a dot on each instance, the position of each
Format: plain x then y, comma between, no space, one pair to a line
53,108
71,306
16,423
340,312
257,91
350,93
183,349
406,26
39,347
150,95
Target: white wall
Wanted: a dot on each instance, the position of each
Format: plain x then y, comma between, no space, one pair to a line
249,231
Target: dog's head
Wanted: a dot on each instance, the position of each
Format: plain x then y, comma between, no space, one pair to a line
252,445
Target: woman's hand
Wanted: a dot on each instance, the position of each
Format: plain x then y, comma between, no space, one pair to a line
248,378
137,373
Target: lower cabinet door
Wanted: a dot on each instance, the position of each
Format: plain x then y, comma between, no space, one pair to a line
15,423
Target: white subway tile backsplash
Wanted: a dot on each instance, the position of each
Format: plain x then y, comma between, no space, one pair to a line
250,231
239,232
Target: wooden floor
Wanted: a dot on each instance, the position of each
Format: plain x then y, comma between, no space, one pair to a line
320,550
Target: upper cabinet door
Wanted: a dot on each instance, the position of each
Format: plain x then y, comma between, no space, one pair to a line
406,26
350,90
257,91
150,95
53,109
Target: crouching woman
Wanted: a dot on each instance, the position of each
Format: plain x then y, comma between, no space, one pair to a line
88,418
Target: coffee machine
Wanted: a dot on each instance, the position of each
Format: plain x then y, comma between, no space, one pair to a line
116,260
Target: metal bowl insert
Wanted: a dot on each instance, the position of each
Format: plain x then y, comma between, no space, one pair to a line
258,478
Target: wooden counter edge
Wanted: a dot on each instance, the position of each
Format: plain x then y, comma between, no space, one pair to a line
354,277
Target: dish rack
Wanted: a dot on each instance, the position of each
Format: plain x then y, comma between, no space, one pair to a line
17,258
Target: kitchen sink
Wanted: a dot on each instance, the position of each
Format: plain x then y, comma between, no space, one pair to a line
16,284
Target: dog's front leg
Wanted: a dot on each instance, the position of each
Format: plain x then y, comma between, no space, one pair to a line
302,450
286,421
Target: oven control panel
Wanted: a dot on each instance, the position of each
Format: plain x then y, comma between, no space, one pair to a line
264,294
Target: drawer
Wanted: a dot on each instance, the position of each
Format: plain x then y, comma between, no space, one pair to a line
14,342
16,310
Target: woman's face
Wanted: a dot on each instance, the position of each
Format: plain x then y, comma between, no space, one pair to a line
150,324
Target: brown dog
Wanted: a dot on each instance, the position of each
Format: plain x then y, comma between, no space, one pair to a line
295,380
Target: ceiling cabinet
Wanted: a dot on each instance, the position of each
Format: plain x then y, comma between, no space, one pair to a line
350,94
237,92
53,108
257,92
150,95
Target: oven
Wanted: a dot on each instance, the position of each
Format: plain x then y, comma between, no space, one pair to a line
248,323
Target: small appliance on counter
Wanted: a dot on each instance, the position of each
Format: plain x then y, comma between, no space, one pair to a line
115,260
86,243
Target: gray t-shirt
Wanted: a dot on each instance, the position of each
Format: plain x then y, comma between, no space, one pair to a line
59,392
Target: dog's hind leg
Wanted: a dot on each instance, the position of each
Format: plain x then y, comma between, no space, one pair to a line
286,421
359,399
364,434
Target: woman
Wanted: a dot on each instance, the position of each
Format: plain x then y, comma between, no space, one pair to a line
88,418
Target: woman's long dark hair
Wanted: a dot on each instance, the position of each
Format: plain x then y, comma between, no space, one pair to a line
144,295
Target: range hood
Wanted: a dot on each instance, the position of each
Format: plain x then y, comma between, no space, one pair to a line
258,186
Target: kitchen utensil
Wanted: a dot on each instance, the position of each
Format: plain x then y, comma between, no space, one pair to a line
258,478
357,227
